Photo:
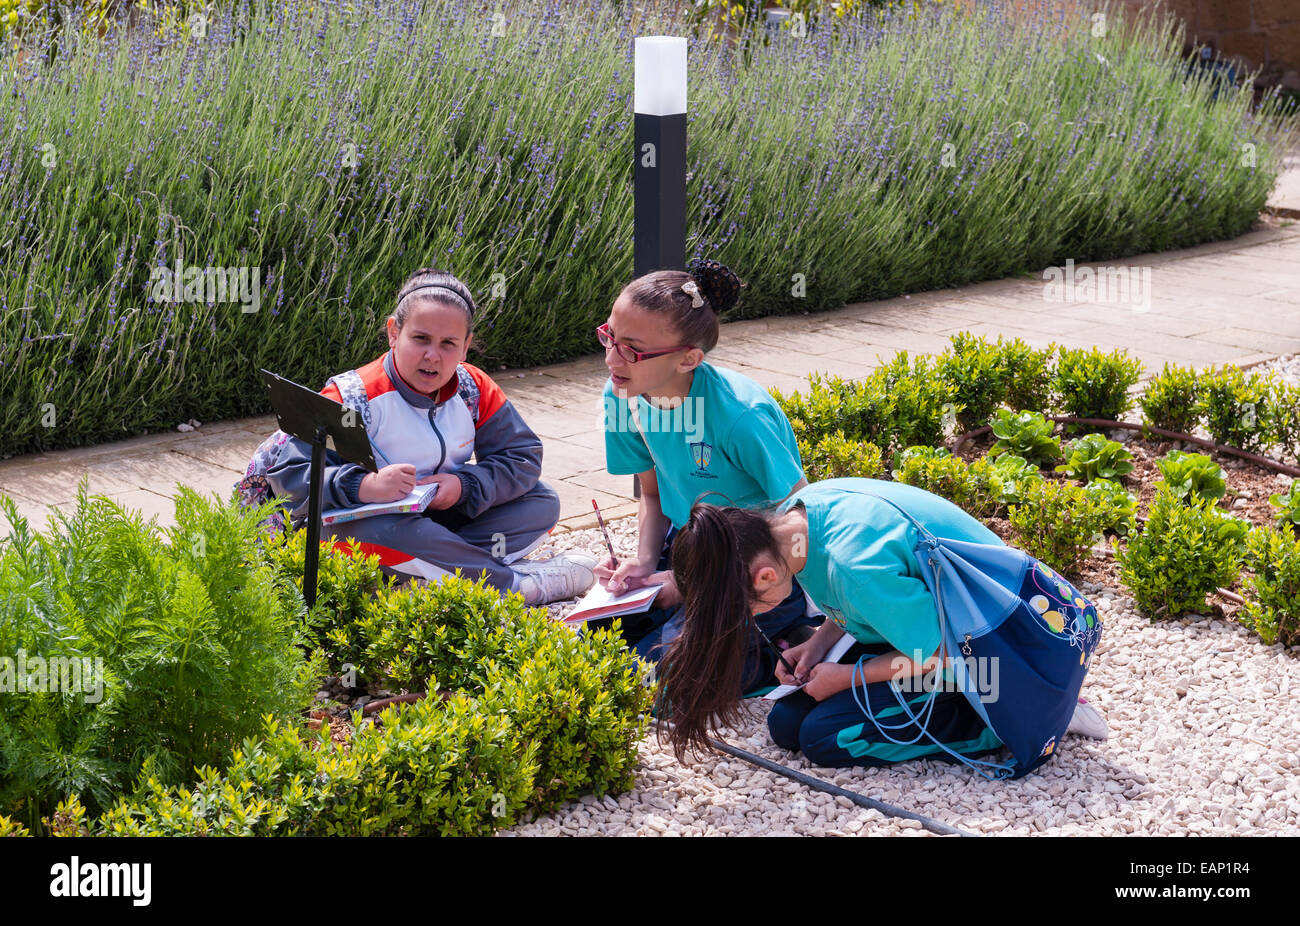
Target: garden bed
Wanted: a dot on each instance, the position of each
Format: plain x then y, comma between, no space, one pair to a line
1199,744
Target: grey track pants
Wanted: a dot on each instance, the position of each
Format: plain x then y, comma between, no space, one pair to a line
437,543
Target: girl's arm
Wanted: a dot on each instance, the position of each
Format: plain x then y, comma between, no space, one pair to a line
652,528
507,453
826,680
290,476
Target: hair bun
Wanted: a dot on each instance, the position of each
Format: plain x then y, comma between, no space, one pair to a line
718,283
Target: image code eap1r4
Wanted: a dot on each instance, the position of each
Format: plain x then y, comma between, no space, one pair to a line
1225,868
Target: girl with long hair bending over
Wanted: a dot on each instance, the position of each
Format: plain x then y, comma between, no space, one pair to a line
853,555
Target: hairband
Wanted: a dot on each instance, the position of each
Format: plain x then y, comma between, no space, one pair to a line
691,287
459,298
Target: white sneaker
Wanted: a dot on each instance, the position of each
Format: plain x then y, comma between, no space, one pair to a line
556,579
1087,721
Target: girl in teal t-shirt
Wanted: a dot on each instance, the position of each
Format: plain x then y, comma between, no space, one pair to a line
689,430
853,555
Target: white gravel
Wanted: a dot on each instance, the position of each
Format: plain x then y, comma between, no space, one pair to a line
1205,739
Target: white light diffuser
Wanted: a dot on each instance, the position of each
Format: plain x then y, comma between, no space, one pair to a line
660,75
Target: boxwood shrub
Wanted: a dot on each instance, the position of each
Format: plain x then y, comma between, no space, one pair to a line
1184,552
1272,592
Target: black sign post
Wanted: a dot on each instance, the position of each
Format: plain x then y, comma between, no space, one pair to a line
326,425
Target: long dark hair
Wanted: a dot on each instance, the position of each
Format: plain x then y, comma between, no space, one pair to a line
704,667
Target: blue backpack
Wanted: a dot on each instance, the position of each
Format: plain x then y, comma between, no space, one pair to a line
999,607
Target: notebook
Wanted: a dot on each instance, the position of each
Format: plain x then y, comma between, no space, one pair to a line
601,602
839,649
414,503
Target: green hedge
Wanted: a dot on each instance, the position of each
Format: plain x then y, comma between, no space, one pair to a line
201,633
338,147
543,716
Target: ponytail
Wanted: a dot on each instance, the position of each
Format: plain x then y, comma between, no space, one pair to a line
704,667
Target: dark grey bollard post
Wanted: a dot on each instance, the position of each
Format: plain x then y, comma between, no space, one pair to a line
659,179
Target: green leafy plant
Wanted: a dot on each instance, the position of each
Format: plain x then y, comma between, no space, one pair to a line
527,715
974,370
1026,434
1058,523
1172,399
836,456
1272,593
1093,384
1192,475
178,643
984,376
436,768
1012,474
345,588
1288,505
1285,417
1094,456
916,398
972,488
1027,376
859,411
469,638
1121,505
901,403
1182,554
1237,407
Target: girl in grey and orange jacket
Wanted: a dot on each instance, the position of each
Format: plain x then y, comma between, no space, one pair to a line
427,412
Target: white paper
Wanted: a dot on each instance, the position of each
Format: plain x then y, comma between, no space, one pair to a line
636,600
839,649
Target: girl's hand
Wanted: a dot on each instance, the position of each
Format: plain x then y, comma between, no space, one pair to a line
449,490
389,484
630,574
828,679
804,657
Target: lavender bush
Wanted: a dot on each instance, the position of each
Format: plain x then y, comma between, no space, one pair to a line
326,150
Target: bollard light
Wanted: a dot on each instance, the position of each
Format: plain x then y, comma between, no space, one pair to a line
659,178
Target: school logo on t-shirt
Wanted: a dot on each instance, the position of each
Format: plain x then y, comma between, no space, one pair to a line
702,453
836,615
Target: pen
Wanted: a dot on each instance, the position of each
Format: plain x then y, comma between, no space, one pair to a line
772,646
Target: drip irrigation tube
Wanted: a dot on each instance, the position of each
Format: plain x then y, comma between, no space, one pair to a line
1255,458
861,800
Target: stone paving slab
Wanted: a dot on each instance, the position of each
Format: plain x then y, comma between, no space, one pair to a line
1235,301
1286,193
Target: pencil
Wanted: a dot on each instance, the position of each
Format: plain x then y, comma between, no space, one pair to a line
608,543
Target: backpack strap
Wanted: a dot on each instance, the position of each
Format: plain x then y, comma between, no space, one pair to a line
353,393
468,390
991,771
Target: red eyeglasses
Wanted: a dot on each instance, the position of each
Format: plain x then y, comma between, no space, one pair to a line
632,356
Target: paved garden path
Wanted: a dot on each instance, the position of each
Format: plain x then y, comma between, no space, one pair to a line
1234,301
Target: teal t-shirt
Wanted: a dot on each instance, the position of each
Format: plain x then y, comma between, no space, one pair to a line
861,568
728,438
